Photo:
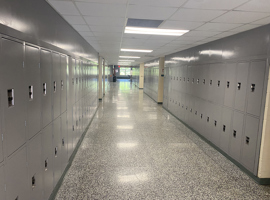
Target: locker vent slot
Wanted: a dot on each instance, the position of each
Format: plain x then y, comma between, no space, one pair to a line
46,164
62,85
54,86
10,94
211,82
44,89
239,85
207,119
215,123
224,128
55,152
247,140
234,133
252,87
33,182
218,84
31,92
228,84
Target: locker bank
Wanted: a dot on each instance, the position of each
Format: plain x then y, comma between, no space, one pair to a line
191,123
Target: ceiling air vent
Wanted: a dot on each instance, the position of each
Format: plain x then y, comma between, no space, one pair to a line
144,23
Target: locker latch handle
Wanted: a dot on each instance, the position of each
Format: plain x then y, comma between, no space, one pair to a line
234,133
201,116
198,81
192,80
186,107
73,127
224,128
17,198
62,85
54,86
211,82
228,84
203,81
187,79
215,123
218,83
184,79
252,87
10,94
55,151
63,142
31,91
239,85
207,119
195,112
247,140
33,182
180,78
44,89
46,164
191,110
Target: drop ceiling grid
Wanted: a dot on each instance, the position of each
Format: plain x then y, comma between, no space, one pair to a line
101,22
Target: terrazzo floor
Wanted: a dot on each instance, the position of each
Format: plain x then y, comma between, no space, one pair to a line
134,149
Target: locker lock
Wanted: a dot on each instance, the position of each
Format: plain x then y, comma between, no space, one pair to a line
215,123
239,85
247,140
224,128
63,142
33,182
228,84
234,133
55,152
46,164
252,87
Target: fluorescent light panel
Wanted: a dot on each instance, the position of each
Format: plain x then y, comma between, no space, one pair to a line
126,60
137,50
155,31
129,57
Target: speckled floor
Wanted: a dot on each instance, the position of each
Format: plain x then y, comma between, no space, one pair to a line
134,149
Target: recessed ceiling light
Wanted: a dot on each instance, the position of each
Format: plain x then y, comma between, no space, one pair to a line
129,57
137,50
126,60
155,31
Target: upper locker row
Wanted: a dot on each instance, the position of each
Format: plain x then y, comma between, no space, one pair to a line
33,90
235,85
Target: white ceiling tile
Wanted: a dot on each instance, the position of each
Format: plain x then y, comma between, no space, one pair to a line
163,37
214,4
224,34
105,1
107,34
256,6
180,25
105,21
101,10
117,29
240,17
90,38
196,15
148,12
81,27
135,36
263,21
184,41
202,33
167,3
217,27
192,38
65,7
245,28
74,19
85,33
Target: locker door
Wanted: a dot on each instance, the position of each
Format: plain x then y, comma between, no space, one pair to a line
47,161
225,129
216,124
241,86
255,87
57,142
1,132
2,183
16,177
33,83
70,133
72,82
205,82
64,147
14,94
35,170
219,83
56,85
236,135
76,80
64,67
46,86
208,120
249,142
230,83
75,126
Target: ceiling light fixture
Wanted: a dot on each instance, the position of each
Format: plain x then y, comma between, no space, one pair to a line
137,50
155,31
129,57
126,60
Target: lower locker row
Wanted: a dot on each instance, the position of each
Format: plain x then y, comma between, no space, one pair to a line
33,171
234,132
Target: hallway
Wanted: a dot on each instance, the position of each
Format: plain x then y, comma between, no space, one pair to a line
134,149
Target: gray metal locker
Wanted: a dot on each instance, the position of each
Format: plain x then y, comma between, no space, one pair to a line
64,147
249,142
241,86
14,95
46,86
2,183
47,160
16,176
57,156
70,132
230,83
219,83
225,129
255,87
63,83
1,144
216,124
204,77
33,85
72,83
56,85
236,135
35,168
